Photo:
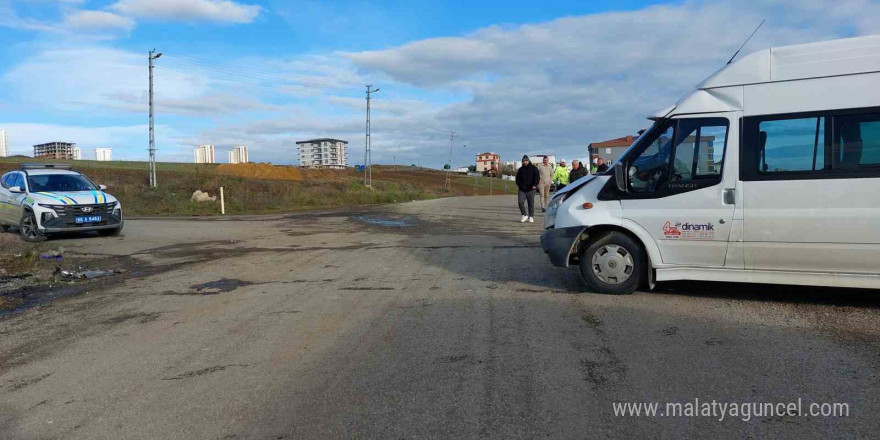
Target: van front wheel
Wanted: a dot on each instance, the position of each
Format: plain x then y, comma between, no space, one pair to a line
614,263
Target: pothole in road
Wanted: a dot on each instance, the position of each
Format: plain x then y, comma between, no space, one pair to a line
386,221
213,287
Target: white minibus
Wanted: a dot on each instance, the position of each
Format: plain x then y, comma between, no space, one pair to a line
768,172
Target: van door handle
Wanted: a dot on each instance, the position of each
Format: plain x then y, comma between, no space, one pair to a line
728,197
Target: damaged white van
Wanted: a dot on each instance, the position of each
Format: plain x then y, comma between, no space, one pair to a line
768,172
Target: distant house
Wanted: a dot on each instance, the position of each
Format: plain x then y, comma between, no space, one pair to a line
610,151
488,162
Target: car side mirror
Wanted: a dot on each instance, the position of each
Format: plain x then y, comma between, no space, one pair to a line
16,189
620,176
102,187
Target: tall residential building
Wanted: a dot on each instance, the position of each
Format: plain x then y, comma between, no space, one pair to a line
4,149
238,154
323,153
77,153
103,154
57,150
204,154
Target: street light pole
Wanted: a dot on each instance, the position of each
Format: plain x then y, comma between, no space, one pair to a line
152,56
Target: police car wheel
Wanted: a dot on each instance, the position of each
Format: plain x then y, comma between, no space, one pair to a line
614,263
28,230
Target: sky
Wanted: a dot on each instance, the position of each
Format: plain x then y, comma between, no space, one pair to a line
510,77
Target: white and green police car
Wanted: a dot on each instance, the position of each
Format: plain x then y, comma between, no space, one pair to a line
41,199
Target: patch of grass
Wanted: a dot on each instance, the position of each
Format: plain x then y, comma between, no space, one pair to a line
129,182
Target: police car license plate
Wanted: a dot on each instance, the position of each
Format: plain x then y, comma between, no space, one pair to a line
88,219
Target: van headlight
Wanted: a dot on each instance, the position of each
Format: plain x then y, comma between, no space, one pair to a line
552,207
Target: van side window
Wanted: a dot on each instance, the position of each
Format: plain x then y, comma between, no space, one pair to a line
791,145
856,142
831,144
687,155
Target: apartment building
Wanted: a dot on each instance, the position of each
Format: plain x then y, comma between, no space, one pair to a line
57,150
323,153
103,154
4,148
204,154
238,154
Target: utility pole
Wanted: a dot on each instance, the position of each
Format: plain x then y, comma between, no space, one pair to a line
448,170
368,154
152,56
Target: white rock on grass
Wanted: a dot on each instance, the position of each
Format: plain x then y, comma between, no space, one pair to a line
199,196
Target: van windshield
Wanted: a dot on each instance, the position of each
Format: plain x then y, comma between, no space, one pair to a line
626,155
60,183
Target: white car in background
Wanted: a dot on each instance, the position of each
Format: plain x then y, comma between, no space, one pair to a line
41,199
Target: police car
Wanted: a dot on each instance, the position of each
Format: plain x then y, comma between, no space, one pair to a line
41,199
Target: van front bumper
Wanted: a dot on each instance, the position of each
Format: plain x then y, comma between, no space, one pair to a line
558,243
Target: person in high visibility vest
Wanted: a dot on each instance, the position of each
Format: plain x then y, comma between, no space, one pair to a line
560,176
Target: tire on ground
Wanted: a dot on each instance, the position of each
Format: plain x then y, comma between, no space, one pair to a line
27,228
614,263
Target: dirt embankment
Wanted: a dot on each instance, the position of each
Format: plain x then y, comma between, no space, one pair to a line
261,171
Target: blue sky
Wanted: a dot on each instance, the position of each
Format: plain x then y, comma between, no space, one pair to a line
511,76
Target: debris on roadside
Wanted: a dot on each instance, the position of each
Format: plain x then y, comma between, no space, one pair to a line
55,254
85,274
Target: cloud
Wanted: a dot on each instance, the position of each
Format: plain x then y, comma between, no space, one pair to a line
221,11
556,86
97,21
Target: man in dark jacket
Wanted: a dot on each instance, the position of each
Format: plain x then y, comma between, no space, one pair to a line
577,171
527,178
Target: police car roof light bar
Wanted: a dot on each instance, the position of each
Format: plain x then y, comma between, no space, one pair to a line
32,166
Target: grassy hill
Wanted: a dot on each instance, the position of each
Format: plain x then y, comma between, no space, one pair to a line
264,188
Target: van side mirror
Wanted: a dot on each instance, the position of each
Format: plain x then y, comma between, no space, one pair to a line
102,187
620,176
16,189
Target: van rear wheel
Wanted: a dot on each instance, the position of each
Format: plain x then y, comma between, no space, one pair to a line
614,263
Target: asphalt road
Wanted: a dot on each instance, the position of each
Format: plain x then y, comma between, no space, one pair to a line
434,319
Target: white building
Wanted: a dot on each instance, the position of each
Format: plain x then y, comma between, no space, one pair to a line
103,154
77,153
323,153
4,149
238,154
204,154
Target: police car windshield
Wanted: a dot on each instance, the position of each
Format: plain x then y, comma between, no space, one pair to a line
59,182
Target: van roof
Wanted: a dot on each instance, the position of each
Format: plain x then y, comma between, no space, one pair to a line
846,56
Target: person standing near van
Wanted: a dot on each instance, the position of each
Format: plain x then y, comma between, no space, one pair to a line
594,167
600,166
560,176
546,171
527,179
577,171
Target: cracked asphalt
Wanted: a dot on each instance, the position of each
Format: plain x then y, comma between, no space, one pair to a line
431,319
